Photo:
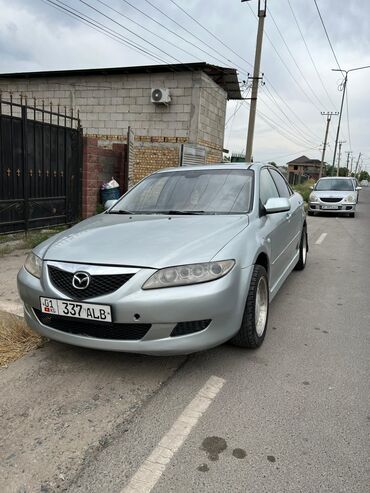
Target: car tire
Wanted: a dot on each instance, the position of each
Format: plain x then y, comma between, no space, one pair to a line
351,214
303,249
253,327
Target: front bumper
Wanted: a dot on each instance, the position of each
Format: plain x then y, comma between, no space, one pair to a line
222,301
341,207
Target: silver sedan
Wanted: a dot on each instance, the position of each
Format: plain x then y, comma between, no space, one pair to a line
187,259
334,194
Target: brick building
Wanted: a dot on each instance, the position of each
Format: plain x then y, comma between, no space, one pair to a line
112,100
304,168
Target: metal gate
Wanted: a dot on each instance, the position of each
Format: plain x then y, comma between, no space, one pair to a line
40,167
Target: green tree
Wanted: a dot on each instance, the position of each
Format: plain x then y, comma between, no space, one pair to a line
364,175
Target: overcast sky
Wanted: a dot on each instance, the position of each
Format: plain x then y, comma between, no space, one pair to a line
35,36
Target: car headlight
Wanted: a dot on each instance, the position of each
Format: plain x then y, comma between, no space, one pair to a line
33,265
314,198
183,275
349,199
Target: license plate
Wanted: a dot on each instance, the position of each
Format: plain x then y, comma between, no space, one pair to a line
87,311
329,207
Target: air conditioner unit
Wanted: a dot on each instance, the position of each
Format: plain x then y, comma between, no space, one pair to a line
160,95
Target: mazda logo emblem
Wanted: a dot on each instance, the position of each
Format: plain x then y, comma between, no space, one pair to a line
81,280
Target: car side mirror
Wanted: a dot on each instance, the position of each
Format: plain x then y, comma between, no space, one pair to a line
311,187
109,203
277,204
358,188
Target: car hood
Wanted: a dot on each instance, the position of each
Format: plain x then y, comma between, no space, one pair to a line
143,241
333,193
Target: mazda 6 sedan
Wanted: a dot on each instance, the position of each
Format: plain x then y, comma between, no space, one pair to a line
187,259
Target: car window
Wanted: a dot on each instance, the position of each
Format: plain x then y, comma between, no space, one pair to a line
213,191
267,186
334,184
280,183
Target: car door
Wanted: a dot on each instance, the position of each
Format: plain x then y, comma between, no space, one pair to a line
294,217
275,228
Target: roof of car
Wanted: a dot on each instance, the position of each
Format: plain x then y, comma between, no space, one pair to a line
337,178
218,166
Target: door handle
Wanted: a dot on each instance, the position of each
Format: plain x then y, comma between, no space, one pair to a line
288,215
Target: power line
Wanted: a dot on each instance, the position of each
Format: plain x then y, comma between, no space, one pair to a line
327,35
293,127
285,103
210,32
182,37
129,30
294,59
310,55
286,66
348,127
141,26
97,26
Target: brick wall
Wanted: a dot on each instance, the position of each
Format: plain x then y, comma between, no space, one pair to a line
101,162
150,159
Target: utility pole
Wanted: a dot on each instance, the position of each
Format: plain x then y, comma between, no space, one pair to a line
262,8
340,143
358,160
351,165
347,165
329,114
344,85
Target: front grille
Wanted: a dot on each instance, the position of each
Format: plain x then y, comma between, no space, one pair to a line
99,284
99,330
184,328
330,199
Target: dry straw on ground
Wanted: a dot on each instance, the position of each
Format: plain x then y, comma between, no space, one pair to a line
16,338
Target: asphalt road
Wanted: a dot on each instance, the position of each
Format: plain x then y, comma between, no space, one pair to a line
293,416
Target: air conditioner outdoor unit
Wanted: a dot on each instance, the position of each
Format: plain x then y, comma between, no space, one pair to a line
160,95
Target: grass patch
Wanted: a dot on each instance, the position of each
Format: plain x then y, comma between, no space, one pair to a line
19,241
16,338
304,189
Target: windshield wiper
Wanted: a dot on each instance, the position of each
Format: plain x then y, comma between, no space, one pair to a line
122,211
182,213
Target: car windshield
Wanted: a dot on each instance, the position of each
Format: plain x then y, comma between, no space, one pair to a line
334,185
203,191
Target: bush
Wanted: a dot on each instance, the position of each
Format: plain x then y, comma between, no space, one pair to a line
304,189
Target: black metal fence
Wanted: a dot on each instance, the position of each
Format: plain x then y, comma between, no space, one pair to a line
40,166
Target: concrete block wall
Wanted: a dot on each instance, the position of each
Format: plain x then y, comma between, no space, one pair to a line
109,104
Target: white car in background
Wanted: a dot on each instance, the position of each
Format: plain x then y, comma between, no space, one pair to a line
337,195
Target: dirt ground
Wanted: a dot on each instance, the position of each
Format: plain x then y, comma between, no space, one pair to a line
9,267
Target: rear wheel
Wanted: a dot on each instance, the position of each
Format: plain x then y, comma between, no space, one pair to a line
303,249
253,327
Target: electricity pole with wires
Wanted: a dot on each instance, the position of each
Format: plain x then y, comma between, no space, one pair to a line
358,161
340,143
262,8
344,86
351,165
347,165
328,115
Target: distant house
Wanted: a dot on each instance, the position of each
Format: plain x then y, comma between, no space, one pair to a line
304,168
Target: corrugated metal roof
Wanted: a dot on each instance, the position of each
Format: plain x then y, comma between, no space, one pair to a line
225,77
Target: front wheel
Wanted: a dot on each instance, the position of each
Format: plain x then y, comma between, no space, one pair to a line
303,249
253,327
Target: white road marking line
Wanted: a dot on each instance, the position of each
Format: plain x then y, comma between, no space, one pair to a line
321,238
148,474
